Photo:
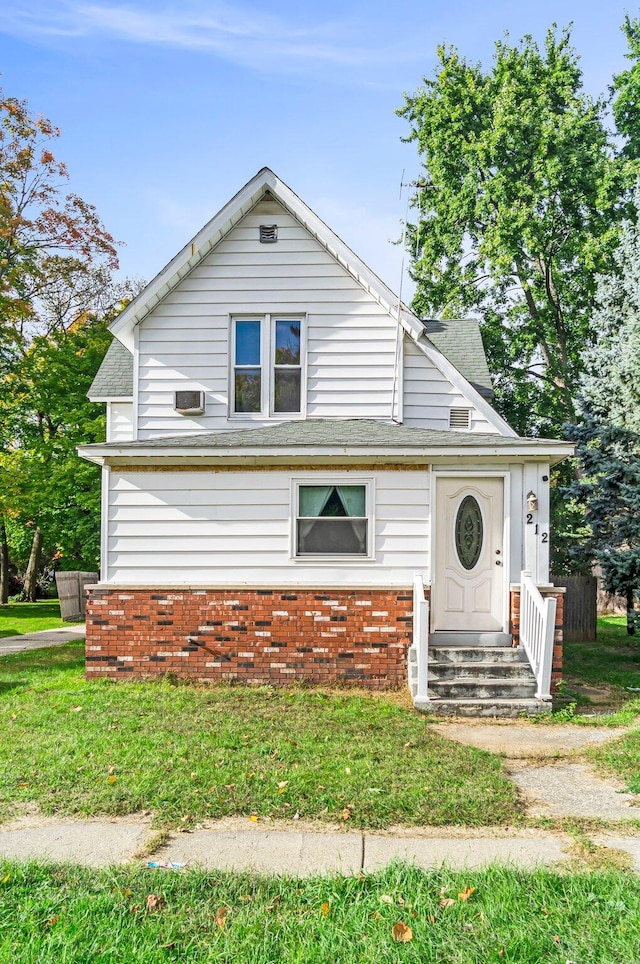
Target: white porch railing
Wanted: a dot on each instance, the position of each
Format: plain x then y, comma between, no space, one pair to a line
537,627
421,637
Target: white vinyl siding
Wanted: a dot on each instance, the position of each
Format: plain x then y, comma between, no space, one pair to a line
429,396
184,342
234,528
119,421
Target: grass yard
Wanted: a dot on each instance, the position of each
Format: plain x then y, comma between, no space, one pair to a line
18,619
606,674
50,914
191,753
602,677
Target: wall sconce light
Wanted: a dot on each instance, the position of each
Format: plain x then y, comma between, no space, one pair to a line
532,502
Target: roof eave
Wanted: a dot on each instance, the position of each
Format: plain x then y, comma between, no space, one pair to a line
303,455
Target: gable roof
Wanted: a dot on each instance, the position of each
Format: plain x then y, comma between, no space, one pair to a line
265,182
460,341
114,378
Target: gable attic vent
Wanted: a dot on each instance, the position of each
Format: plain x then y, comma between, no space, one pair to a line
189,403
459,418
268,233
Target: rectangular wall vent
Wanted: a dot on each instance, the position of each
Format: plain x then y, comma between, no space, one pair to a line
268,233
189,403
460,418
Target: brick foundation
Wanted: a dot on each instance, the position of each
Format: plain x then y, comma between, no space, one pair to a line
556,670
255,635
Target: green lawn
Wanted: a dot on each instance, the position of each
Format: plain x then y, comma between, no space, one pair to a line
603,676
190,753
17,619
50,914
606,673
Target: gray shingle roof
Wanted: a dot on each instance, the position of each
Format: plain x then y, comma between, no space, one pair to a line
347,433
114,378
460,341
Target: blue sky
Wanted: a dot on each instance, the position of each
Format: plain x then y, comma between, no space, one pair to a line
167,108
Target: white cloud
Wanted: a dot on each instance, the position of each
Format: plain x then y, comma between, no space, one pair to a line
241,34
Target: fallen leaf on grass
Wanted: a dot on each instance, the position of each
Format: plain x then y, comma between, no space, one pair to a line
556,939
347,770
346,814
76,709
446,902
111,779
5,880
221,917
401,933
387,899
52,921
466,893
24,784
325,908
155,902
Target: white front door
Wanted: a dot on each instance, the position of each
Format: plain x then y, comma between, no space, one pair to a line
469,567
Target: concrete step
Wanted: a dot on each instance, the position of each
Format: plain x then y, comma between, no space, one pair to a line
483,688
469,639
505,708
477,654
473,670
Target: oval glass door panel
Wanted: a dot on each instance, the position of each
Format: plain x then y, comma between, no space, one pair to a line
468,532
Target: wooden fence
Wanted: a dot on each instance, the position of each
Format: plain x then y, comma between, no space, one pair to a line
71,593
580,612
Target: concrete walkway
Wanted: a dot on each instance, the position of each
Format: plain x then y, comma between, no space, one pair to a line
544,763
46,637
239,845
243,846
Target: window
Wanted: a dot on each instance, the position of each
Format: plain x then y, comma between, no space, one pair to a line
332,520
267,356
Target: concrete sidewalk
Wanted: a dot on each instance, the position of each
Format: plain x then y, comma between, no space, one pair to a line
46,637
238,845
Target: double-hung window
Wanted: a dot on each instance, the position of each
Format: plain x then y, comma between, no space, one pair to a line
267,352
333,519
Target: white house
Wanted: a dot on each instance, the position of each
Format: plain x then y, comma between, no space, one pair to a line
302,478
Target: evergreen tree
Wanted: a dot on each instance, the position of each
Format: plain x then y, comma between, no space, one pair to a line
608,436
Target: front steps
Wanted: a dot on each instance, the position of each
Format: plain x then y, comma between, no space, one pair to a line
476,674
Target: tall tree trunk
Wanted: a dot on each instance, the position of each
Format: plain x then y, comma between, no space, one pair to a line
31,575
4,565
631,614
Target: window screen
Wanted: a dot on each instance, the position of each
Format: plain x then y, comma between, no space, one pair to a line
332,520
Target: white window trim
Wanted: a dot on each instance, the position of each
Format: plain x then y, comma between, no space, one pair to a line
267,366
334,559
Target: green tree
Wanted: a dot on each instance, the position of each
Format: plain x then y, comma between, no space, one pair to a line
608,434
626,90
45,414
516,215
47,237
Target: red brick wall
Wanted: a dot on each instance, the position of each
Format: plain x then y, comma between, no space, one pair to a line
256,635
556,670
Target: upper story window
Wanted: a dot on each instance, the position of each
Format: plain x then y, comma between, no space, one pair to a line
267,353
